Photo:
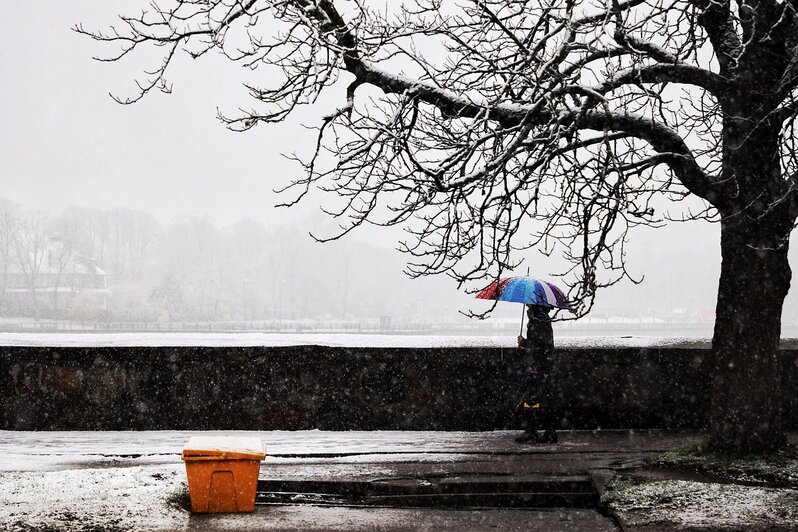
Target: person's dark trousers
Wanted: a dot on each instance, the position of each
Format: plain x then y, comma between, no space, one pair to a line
548,420
540,413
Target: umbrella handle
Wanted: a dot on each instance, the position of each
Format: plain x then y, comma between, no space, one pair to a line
523,313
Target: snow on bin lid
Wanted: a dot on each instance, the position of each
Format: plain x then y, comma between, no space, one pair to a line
224,447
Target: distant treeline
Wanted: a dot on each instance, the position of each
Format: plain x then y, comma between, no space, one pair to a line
121,264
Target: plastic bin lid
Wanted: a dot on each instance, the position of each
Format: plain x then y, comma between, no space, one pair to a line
223,448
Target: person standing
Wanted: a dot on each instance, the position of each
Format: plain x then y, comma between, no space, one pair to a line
537,405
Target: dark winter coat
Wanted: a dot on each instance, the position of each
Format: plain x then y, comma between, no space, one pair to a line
538,354
539,366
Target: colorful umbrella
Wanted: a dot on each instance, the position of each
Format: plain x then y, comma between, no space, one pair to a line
527,290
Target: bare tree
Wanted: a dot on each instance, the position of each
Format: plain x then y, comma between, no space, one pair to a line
191,246
128,234
492,127
65,231
169,295
30,246
84,228
9,225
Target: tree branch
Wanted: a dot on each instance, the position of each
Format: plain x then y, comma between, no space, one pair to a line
659,136
619,7
716,19
683,74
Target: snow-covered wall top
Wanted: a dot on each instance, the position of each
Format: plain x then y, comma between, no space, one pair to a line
143,339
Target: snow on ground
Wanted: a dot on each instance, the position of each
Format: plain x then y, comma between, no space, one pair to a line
151,499
678,504
332,339
137,498
64,480
135,480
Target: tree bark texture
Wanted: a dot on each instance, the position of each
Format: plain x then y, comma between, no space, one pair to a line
747,402
746,410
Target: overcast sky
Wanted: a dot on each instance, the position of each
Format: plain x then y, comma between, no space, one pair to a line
64,141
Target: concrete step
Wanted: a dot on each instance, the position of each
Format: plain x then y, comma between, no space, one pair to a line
566,492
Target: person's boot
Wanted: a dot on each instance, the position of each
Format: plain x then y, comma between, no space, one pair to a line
529,413
549,436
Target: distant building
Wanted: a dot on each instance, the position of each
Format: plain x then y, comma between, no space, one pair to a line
60,276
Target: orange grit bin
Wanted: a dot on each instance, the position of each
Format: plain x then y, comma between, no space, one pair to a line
222,473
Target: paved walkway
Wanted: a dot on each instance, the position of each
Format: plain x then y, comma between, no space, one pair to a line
129,480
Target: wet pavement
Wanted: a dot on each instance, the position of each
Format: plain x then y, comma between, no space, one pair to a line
433,480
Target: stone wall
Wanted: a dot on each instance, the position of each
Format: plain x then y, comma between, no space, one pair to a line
269,388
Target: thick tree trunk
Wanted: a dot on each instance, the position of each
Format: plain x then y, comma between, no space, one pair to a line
746,411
